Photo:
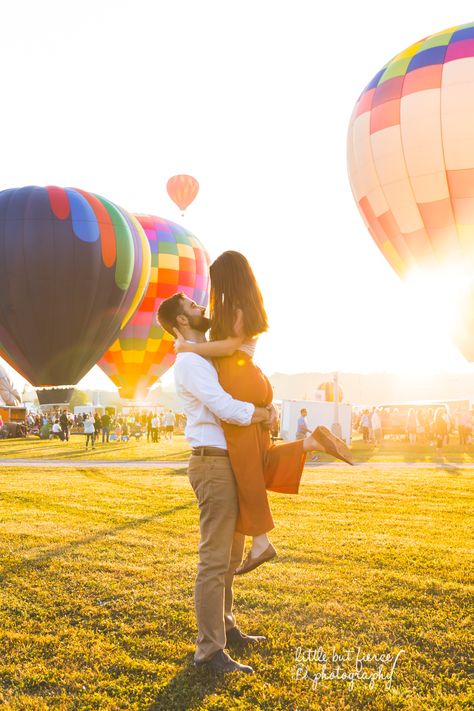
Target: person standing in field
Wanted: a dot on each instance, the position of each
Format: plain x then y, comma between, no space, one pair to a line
64,422
376,426
105,425
169,421
89,431
302,428
440,429
207,406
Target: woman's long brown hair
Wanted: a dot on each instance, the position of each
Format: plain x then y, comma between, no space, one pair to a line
233,286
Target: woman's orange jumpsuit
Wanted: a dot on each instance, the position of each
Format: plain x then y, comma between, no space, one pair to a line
258,464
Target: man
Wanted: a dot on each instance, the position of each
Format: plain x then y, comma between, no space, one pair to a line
376,426
302,428
105,424
169,422
64,422
211,476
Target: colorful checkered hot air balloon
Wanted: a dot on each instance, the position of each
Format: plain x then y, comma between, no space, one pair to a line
73,269
411,162
182,189
143,350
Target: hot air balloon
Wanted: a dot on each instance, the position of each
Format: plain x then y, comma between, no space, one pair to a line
182,189
328,389
411,163
143,350
9,395
73,269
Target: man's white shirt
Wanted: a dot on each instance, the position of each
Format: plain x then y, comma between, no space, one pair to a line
206,402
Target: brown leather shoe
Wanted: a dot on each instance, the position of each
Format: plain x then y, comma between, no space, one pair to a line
240,640
333,445
252,563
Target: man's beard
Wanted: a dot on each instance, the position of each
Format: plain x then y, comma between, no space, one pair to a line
200,323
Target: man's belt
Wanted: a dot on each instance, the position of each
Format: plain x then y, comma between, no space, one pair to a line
209,452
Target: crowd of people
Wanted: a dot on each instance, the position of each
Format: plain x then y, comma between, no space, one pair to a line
103,426
422,426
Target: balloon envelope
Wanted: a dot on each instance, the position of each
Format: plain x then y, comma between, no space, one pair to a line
411,157
328,389
182,189
73,268
143,350
8,393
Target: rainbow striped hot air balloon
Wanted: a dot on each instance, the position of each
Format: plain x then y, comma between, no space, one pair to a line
73,269
411,162
143,350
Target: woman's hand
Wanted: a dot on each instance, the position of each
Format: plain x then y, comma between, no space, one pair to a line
180,345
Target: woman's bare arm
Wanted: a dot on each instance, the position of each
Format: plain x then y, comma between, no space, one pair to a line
208,349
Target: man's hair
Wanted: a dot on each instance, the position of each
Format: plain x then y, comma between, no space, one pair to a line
169,310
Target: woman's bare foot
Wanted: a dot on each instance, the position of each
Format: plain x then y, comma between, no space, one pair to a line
259,545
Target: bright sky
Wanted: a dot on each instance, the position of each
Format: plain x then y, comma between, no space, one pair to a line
253,98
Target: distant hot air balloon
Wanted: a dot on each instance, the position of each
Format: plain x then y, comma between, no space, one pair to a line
182,189
73,269
328,389
9,395
411,163
143,350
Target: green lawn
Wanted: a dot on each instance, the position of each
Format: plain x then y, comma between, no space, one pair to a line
96,580
33,447
389,451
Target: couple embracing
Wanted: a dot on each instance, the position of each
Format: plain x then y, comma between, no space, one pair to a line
228,405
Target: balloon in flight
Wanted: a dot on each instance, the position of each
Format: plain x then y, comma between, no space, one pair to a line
182,189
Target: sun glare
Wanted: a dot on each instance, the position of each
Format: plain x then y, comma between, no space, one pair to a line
439,294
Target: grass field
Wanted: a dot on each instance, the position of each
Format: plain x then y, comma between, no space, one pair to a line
97,572
390,450
33,447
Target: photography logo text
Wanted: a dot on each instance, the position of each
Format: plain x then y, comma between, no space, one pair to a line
350,666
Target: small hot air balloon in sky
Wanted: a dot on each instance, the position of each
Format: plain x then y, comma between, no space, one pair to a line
182,189
411,164
143,350
73,269
328,389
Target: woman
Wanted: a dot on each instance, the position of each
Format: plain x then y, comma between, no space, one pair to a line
238,318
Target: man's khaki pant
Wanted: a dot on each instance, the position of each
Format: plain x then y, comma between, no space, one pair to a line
220,551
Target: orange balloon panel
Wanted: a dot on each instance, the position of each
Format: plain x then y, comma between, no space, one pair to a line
182,189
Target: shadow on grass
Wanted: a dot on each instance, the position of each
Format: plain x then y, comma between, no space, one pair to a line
187,689
46,556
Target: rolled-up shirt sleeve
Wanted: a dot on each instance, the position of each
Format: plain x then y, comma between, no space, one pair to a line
199,377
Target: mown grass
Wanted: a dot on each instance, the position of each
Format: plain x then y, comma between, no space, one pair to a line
391,450
136,450
96,585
